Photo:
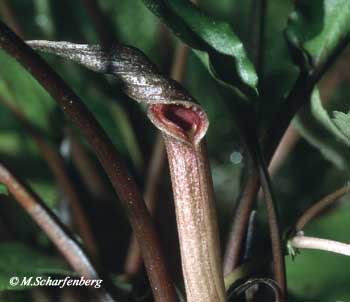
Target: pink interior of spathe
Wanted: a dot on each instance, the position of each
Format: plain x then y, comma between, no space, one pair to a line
182,121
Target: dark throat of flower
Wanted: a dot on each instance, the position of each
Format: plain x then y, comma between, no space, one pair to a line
186,122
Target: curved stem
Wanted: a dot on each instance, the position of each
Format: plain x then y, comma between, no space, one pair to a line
250,236
250,189
319,206
122,181
56,231
61,174
243,271
258,167
275,228
133,262
285,147
306,242
241,217
297,97
260,281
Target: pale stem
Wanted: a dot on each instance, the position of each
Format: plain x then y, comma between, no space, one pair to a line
305,242
196,221
183,126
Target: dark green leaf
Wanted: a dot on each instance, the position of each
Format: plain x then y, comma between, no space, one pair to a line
18,260
214,42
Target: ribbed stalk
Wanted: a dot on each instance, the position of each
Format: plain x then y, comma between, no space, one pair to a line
183,127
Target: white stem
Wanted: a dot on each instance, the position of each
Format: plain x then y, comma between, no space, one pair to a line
305,242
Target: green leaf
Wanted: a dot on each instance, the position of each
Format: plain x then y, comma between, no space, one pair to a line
320,130
317,27
18,260
214,41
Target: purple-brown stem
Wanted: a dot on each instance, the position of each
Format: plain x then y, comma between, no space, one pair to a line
320,206
237,233
54,229
256,166
61,174
133,262
60,171
53,158
90,176
279,269
337,74
121,180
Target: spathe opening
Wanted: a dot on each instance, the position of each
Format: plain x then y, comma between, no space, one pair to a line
183,122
